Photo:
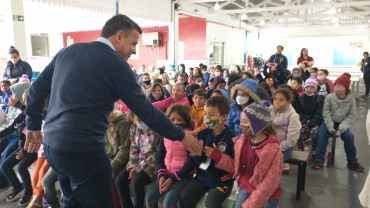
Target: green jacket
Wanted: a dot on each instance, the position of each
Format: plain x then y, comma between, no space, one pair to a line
117,146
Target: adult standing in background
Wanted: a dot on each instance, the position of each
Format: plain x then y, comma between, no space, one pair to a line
365,68
15,67
79,107
279,58
181,70
305,62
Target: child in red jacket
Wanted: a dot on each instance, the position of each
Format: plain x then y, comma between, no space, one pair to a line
258,160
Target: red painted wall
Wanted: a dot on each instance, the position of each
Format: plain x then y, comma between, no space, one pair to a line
192,31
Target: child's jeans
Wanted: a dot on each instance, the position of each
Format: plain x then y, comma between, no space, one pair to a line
243,196
193,192
172,195
8,164
287,154
41,168
322,142
138,184
117,203
50,192
307,133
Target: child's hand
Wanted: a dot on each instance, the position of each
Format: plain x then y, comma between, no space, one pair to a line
209,150
194,132
161,182
166,185
132,174
20,155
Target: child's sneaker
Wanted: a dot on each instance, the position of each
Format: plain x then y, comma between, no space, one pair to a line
15,194
286,167
317,165
355,166
25,199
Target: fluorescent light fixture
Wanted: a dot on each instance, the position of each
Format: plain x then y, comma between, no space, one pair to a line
339,10
262,22
334,20
217,6
331,11
244,16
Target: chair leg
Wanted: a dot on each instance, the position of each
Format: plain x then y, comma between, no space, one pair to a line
299,182
334,141
304,176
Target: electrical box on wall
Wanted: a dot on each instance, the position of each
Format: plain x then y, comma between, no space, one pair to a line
152,39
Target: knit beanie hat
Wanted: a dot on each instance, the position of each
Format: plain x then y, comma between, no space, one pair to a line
19,89
344,80
258,114
311,81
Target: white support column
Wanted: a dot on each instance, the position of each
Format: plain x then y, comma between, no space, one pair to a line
173,38
16,18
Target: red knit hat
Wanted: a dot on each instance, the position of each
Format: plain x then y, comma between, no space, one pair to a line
344,80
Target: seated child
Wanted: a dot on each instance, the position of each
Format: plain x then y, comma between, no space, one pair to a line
339,112
243,95
210,84
257,74
266,87
272,82
275,70
209,178
286,123
141,168
296,83
178,96
310,114
146,85
257,161
197,110
156,93
313,71
191,88
295,103
326,85
7,93
117,147
220,92
175,166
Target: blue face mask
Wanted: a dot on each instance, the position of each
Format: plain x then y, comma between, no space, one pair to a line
142,126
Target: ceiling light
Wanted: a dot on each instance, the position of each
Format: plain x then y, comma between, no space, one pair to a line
262,22
339,10
217,6
244,16
336,25
334,20
331,11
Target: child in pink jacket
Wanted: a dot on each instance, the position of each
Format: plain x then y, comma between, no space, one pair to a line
257,160
178,96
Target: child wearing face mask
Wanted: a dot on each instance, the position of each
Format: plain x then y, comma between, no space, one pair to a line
218,71
338,113
313,72
242,95
206,75
258,75
157,93
310,115
296,84
141,168
146,86
209,178
326,85
178,96
175,166
198,80
286,123
295,103
257,161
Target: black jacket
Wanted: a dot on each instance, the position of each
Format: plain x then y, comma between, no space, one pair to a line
311,110
15,71
365,68
279,74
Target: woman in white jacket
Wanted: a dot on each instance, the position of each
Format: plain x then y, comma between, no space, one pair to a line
365,193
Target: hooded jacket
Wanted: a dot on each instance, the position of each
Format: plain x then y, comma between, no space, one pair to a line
279,59
365,67
339,111
260,91
212,175
311,110
264,182
233,119
197,115
287,126
4,100
16,71
277,75
117,143
216,81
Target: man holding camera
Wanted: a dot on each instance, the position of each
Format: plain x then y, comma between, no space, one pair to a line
279,58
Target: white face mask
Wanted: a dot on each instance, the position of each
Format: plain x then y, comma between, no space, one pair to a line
241,100
200,83
309,94
217,74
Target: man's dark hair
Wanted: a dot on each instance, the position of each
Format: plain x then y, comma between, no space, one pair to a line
282,48
219,102
200,93
203,67
196,77
119,22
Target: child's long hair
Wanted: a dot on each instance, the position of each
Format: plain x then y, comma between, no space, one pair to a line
184,112
150,96
295,92
269,130
287,93
265,86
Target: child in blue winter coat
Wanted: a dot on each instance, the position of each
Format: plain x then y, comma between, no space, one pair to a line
242,95
7,93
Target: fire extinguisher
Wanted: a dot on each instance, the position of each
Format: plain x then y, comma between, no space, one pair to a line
250,61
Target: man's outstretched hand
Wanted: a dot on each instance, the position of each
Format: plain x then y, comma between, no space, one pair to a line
33,141
192,144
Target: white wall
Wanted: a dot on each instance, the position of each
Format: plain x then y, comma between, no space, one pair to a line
234,42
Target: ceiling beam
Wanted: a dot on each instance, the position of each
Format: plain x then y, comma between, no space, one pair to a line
315,22
308,16
293,7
